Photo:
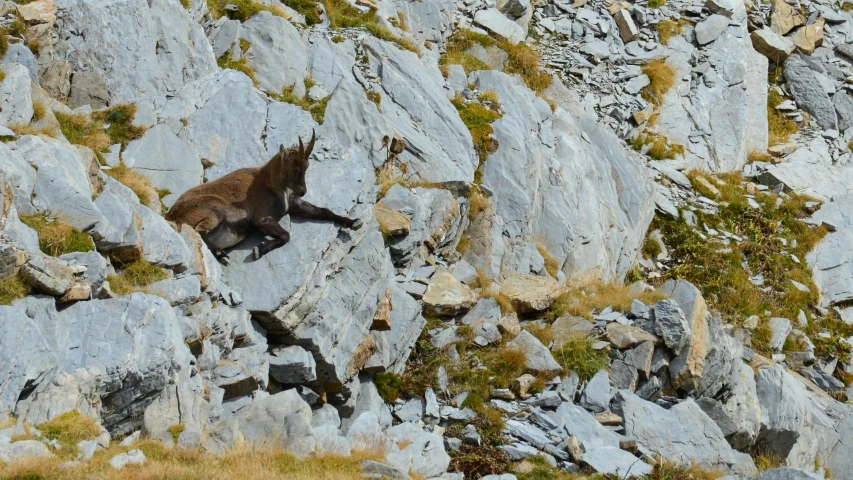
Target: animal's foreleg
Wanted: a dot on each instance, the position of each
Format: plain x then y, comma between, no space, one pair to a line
204,228
270,227
307,210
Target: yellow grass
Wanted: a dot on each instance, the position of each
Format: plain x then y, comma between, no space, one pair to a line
137,182
135,276
195,464
662,77
581,301
26,129
57,237
11,289
669,29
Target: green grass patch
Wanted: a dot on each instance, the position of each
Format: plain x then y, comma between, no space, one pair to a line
4,41
389,386
779,127
316,109
661,148
69,429
522,59
656,3
716,269
478,118
102,128
245,10
119,121
651,248
242,65
176,430
578,356
57,237
307,8
343,15
12,288
135,276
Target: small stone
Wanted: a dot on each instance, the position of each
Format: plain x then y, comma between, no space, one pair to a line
133,457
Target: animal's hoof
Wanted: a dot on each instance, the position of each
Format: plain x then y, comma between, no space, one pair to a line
256,252
357,224
225,261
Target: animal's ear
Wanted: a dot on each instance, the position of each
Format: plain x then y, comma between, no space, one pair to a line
310,145
282,151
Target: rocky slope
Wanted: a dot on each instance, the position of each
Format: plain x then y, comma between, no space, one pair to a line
599,237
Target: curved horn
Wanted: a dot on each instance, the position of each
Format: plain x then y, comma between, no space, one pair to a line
301,148
311,144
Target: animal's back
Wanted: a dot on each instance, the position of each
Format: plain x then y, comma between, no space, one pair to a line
231,190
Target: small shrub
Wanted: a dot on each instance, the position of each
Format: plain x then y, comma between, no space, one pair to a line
176,430
578,356
137,182
338,38
674,471
12,288
245,45
69,429
388,385
57,237
245,10
489,96
186,4
662,78
135,276
242,65
656,3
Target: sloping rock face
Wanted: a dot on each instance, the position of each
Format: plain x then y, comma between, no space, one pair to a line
574,220
131,347
167,48
831,260
720,118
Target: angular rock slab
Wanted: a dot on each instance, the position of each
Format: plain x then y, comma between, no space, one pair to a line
807,91
537,356
445,296
682,434
530,293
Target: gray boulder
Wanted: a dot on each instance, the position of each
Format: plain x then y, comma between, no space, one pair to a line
537,356
292,364
682,434
16,103
596,395
423,453
803,83
710,29
178,407
580,424
612,461
671,325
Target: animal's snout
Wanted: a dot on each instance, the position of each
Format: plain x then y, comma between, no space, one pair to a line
301,191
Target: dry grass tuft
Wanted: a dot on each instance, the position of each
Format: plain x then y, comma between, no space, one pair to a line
660,148
552,266
12,288
669,29
583,300
578,356
21,129
673,471
4,42
57,237
756,156
195,464
662,77
137,182
135,276
90,131
316,109
39,111
81,130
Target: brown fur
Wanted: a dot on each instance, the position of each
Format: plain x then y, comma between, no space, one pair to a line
225,211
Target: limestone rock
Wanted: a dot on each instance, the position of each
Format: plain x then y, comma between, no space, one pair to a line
537,356
530,293
783,18
807,91
772,45
671,325
391,221
493,20
596,396
625,336
710,29
16,103
809,37
627,29
446,296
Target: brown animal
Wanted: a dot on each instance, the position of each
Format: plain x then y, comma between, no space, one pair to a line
225,210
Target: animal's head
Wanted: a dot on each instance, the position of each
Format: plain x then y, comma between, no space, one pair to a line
294,162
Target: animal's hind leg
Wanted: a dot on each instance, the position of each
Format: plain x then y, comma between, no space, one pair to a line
204,228
270,227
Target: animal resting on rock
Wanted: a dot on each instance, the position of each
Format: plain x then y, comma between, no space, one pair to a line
225,210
